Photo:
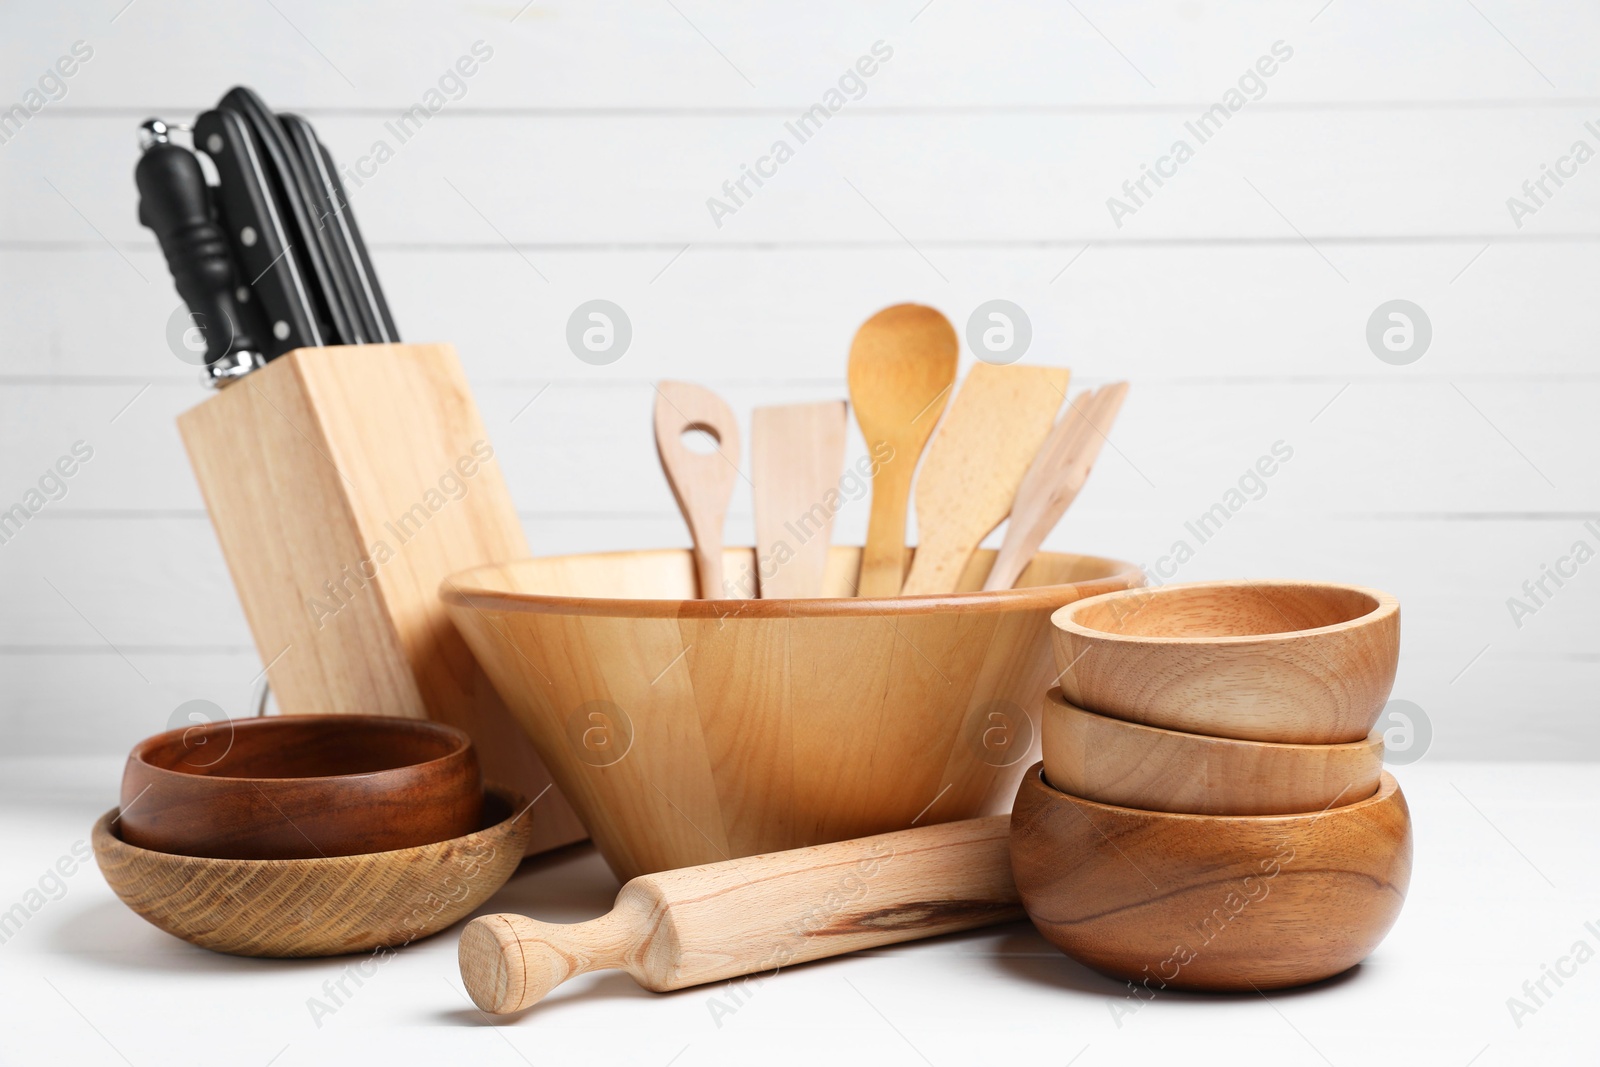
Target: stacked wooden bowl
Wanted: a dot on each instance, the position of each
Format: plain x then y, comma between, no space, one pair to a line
1211,811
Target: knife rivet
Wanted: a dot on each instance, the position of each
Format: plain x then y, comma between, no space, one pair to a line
242,294
247,236
280,330
214,143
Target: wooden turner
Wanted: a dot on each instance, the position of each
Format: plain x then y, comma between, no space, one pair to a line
796,456
1054,479
761,913
701,482
995,427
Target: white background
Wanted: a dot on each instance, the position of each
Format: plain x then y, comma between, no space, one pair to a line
976,166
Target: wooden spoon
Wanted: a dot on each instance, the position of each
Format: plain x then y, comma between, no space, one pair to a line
796,456
701,482
996,425
902,365
1054,479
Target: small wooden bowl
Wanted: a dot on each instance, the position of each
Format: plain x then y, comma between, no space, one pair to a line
689,731
1137,766
317,907
1307,663
1213,902
300,786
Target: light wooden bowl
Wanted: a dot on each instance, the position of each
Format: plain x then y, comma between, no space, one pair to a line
1215,902
689,731
1137,766
317,907
1307,663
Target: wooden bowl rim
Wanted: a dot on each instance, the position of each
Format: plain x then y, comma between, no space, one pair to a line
1372,740
468,589
1388,787
103,833
1062,618
463,742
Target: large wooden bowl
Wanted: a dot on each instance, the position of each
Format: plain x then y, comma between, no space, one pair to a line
1137,766
688,731
1307,663
1216,902
300,786
317,907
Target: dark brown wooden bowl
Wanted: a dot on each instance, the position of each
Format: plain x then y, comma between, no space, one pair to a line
300,786
1213,902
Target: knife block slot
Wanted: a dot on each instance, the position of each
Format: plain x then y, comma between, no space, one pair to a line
345,484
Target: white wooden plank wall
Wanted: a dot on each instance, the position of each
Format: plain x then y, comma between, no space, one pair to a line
576,163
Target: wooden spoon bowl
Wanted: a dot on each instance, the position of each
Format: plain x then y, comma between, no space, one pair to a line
1212,902
299,786
317,907
1306,663
1137,766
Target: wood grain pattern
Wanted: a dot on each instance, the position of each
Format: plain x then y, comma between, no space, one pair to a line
318,907
298,786
689,731
701,482
1054,479
756,914
902,364
996,425
1246,902
1137,766
1308,663
796,458
344,484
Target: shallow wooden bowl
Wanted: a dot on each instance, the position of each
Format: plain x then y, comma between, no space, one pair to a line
299,786
1217,902
1307,663
688,731
317,907
1137,766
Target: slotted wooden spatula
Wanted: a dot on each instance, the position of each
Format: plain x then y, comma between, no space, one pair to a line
796,456
1054,479
701,482
994,429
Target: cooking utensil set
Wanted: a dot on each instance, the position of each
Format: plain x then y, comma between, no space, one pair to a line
822,768
998,451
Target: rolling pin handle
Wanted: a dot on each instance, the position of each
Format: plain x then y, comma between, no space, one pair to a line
510,962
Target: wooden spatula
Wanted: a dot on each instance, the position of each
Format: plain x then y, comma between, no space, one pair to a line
995,427
1054,479
701,482
796,456
757,914
902,365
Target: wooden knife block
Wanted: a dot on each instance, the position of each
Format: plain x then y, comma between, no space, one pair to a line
345,484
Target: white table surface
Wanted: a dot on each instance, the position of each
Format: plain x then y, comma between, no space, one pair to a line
1507,875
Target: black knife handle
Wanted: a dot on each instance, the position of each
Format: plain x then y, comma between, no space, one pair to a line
174,202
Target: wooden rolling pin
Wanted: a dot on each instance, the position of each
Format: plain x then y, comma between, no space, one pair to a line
761,913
